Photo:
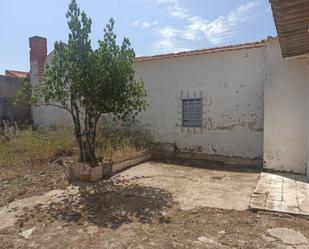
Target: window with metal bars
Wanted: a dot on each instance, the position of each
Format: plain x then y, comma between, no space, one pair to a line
192,112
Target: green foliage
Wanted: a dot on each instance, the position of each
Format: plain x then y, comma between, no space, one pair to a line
90,82
23,95
128,133
100,80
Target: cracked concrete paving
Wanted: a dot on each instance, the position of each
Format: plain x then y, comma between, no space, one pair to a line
287,193
9,213
196,187
289,237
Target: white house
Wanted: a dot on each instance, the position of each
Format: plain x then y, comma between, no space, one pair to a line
246,101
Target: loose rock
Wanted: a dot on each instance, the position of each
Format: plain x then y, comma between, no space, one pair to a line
27,233
288,236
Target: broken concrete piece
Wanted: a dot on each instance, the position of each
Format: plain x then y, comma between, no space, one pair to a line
288,236
27,233
302,247
268,238
207,240
92,229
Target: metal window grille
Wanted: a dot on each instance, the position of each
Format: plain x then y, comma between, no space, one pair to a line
192,112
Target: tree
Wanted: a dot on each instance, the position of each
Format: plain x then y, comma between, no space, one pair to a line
90,82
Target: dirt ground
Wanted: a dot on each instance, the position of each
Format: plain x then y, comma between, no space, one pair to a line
27,181
36,178
146,210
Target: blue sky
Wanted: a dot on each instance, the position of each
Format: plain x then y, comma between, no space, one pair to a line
153,26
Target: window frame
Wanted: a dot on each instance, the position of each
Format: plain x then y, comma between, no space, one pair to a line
191,108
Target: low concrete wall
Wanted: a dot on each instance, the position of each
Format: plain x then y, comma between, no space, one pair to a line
119,166
8,88
106,169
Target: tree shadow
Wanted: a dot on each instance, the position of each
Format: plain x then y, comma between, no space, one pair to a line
207,164
107,203
289,175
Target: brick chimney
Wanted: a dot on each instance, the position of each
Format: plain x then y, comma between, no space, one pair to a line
38,54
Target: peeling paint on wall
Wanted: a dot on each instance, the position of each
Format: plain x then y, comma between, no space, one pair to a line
233,101
286,112
232,85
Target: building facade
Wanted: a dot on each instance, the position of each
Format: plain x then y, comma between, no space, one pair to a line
243,101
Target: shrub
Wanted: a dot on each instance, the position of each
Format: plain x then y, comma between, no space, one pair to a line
117,142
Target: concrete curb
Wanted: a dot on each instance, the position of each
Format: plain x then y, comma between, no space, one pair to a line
298,214
112,169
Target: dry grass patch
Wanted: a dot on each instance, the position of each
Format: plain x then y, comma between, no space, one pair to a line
25,160
25,166
120,143
31,147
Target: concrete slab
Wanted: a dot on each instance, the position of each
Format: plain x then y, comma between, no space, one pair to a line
10,213
286,193
288,236
196,187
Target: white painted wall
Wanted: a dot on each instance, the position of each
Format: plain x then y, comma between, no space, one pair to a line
308,118
231,83
47,115
286,112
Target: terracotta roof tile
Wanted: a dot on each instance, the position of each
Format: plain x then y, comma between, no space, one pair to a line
19,74
202,51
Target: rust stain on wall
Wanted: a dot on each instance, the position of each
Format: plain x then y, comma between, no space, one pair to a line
252,125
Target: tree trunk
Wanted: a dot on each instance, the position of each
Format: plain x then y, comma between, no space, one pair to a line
86,139
81,149
89,150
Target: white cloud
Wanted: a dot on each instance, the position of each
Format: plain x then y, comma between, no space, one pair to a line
168,40
168,32
177,11
220,29
164,1
196,28
144,24
227,26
